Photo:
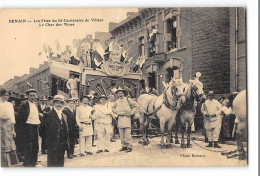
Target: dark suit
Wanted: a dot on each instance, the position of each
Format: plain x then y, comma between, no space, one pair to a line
73,129
28,134
42,133
57,138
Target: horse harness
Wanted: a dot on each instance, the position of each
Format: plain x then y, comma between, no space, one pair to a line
165,102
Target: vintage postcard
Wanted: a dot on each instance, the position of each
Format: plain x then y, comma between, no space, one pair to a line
123,87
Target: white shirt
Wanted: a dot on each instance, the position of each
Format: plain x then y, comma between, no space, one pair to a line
33,117
72,84
59,113
211,107
43,107
82,114
102,113
7,111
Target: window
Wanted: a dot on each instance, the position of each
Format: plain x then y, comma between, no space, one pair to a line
151,80
141,46
172,30
38,87
152,39
172,73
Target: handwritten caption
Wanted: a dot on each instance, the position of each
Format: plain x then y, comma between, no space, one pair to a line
56,22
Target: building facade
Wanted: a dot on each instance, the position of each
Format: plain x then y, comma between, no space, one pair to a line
178,42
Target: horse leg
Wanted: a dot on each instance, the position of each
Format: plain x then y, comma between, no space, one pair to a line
142,120
188,135
145,137
162,126
176,131
183,129
242,153
169,132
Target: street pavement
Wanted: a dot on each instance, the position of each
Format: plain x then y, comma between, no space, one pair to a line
152,155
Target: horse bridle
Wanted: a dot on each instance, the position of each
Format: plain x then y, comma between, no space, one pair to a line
174,97
196,95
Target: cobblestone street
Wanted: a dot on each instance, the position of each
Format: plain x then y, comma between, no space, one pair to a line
152,155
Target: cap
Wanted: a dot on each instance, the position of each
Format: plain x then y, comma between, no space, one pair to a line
210,93
120,90
23,97
31,90
85,96
43,98
71,99
58,98
103,96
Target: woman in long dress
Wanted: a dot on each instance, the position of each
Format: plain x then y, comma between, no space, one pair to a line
7,119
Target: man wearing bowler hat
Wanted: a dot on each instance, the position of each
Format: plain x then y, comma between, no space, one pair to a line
124,108
57,133
211,109
29,122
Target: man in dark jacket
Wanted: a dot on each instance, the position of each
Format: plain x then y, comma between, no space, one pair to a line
57,133
28,123
72,125
42,109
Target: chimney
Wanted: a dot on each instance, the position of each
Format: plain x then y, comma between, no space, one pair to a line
111,25
32,70
45,63
130,14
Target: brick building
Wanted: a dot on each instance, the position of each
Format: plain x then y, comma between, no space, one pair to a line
178,42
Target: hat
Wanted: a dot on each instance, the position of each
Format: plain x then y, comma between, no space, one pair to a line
120,90
23,97
85,96
43,98
71,99
50,98
96,39
58,98
31,90
210,93
103,96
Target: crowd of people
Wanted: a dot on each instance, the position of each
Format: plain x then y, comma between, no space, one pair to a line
61,124
88,52
219,119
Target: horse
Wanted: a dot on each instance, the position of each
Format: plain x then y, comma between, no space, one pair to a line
193,94
163,107
240,111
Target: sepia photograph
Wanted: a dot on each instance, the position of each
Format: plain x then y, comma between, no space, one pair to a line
124,87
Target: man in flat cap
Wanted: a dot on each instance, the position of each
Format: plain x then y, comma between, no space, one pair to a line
29,122
70,112
41,108
124,108
57,133
211,109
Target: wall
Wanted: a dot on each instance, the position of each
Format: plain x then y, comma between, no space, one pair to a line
211,47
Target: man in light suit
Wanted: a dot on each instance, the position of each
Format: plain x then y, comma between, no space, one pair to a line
57,133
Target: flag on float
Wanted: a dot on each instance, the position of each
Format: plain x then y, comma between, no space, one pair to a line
152,35
98,52
137,65
132,55
81,66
